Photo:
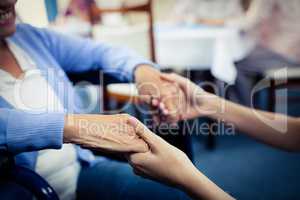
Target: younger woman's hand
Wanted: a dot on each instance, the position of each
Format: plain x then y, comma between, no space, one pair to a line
163,162
198,102
162,92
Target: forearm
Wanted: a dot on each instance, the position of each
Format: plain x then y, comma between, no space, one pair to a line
198,186
76,55
271,128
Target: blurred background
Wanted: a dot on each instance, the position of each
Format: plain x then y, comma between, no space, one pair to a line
233,44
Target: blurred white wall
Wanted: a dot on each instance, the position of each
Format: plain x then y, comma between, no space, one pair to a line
32,12
63,5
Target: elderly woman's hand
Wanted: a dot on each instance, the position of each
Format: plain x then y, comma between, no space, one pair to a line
109,133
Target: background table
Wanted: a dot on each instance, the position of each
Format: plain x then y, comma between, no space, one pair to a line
184,47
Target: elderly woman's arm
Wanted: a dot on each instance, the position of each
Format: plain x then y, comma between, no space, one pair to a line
24,132
77,54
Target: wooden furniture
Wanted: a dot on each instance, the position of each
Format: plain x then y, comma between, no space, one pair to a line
146,8
123,92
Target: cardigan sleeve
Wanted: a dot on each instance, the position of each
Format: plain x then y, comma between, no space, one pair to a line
76,54
23,132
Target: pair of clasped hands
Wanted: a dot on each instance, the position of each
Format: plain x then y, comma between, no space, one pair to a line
149,155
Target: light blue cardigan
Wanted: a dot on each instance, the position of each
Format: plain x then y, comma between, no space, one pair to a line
22,134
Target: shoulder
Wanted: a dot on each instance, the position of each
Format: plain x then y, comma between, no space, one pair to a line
28,34
26,29
33,35
44,35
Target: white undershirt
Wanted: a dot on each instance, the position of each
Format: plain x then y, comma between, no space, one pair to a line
31,92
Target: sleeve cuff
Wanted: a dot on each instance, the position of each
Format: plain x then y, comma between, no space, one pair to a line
32,132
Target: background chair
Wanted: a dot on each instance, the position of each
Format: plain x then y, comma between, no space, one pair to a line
111,91
145,8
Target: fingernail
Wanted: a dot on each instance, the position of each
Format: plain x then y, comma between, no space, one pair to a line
161,105
165,112
155,102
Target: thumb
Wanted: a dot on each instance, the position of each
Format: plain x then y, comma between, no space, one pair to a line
139,146
144,99
168,77
143,132
176,79
172,77
185,84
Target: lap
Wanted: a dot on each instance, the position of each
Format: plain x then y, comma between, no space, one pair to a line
261,59
115,180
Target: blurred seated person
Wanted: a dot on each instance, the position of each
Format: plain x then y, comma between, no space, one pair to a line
42,120
271,24
212,12
79,8
167,164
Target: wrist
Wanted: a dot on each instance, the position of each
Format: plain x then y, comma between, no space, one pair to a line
188,176
70,130
143,71
184,171
200,187
209,104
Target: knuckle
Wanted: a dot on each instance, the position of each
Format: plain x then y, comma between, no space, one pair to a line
125,116
133,118
131,133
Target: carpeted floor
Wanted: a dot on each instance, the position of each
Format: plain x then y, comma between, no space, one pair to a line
249,170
